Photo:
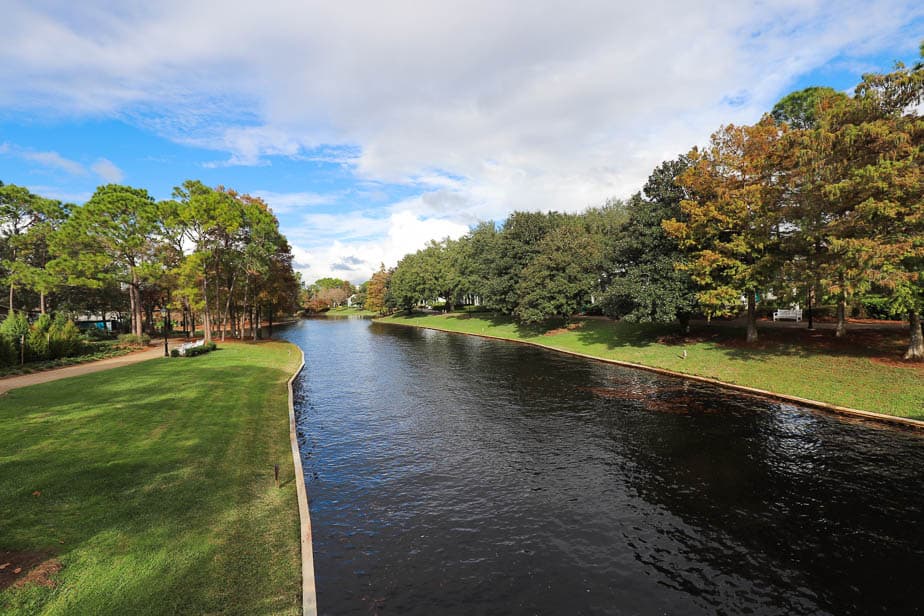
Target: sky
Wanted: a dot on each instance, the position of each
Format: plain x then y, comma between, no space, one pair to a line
372,127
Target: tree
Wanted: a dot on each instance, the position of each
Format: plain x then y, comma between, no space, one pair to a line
111,237
802,108
513,249
873,144
376,290
733,216
27,222
645,283
560,279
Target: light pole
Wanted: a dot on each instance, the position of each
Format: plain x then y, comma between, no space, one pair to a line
163,314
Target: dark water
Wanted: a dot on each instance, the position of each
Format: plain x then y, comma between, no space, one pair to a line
455,475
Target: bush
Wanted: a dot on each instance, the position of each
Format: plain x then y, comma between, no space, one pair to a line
8,353
37,340
878,307
133,340
64,339
174,352
199,350
98,334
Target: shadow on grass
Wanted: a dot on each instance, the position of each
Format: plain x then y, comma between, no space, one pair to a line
148,482
730,340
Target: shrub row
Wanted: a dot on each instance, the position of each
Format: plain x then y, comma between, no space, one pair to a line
45,339
134,340
193,351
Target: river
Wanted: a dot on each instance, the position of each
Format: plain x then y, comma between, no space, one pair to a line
449,474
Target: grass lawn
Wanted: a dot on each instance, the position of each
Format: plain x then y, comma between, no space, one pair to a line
345,311
859,372
149,489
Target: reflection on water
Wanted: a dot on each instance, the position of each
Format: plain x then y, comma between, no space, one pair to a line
457,475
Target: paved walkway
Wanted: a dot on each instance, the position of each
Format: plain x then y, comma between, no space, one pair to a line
15,382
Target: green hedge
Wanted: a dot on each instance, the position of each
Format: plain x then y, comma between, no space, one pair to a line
46,339
193,351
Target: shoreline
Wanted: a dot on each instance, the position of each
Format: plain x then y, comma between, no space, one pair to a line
309,595
901,422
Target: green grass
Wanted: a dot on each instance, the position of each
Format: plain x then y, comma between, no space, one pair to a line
156,487
794,362
344,311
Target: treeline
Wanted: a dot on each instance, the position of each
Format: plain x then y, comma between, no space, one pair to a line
211,257
821,200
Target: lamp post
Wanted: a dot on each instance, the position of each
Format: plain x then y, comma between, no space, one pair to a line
163,314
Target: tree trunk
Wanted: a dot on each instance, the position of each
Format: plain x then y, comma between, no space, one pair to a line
811,304
42,303
916,338
841,330
255,325
269,318
11,298
684,319
226,320
206,318
752,317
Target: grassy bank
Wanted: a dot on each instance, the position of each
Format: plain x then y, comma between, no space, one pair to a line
345,311
859,372
149,489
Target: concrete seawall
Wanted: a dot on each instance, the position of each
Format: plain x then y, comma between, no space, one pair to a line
309,596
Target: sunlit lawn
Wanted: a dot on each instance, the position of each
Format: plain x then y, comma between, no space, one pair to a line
849,373
152,487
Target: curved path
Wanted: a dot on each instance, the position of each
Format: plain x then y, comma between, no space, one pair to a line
24,380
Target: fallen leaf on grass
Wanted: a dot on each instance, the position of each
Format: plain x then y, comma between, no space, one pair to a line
37,493
4,566
17,570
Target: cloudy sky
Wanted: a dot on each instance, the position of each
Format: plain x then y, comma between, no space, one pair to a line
371,127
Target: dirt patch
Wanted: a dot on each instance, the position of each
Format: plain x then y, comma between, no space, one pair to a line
564,330
898,363
21,568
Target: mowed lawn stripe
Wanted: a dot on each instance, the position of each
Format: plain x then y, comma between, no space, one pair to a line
152,486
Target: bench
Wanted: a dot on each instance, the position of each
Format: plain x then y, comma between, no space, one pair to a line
784,313
189,345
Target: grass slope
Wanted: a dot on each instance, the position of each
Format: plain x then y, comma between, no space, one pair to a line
347,311
847,373
152,485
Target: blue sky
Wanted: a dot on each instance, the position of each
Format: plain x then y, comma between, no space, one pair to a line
373,127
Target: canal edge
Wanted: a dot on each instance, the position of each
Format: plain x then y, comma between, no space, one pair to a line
309,595
902,422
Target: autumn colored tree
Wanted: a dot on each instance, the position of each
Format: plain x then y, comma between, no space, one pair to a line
873,147
733,214
377,290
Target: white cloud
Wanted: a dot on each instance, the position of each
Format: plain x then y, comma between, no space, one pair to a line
481,106
108,171
356,259
288,202
54,161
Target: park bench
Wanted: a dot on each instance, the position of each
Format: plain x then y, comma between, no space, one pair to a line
189,345
787,313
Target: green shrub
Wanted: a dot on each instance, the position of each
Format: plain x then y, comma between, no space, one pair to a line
8,354
201,350
174,352
64,339
877,307
133,340
37,340
98,334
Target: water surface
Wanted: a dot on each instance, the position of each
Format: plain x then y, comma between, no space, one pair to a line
455,475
